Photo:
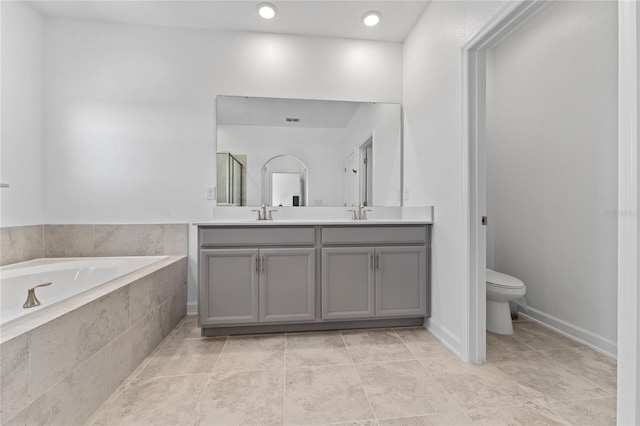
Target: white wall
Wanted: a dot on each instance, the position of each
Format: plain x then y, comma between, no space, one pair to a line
21,149
432,80
319,149
383,122
130,110
552,166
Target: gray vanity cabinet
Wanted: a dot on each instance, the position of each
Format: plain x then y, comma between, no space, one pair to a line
229,286
401,281
374,272
347,283
287,284
251,276
274,278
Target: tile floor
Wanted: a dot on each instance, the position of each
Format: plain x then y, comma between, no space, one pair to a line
400,376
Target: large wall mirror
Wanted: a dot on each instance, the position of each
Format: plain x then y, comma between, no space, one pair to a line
298,152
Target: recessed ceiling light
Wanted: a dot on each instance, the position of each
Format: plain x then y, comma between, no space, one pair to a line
267,10
371,19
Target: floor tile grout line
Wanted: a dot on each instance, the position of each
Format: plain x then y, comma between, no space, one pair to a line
284,379
195,406
355,367
548,407
566,367
204,388
559,365
406,345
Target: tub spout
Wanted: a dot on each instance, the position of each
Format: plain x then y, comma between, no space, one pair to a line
32,300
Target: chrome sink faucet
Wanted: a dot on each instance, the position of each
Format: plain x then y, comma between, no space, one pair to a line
360,213
263,214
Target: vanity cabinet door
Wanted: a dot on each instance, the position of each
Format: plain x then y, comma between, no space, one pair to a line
401,281
287,284
228,286
347,283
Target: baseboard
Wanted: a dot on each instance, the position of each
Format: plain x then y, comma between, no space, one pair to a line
445,336
572,331
192,308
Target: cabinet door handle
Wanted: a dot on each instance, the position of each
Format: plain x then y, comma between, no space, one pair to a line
378,261
263,262
257,263
370,260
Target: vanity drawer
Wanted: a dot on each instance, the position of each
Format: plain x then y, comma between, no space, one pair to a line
251,236
375,235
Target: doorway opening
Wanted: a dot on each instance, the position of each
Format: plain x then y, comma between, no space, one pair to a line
366,175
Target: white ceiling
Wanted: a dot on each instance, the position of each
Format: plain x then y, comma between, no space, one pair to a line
323,18
250,111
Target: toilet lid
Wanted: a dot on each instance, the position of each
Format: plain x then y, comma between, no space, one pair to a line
499,279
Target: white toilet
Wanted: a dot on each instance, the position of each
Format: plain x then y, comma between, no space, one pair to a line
501,288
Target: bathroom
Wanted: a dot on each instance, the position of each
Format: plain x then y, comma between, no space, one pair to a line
111,121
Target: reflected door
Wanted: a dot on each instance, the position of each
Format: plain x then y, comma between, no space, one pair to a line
349,181
284,187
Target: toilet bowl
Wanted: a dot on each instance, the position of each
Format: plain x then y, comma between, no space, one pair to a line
501,288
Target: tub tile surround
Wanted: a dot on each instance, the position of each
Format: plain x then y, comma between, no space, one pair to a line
59,367
320,385
22,243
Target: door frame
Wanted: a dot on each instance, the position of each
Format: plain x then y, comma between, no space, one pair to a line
473,170
628,217
474,193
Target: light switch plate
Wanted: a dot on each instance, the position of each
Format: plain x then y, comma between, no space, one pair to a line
211,193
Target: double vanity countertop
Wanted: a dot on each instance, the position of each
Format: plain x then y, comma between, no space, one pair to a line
318,216
313,222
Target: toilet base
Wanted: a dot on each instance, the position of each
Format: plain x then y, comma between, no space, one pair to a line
499,317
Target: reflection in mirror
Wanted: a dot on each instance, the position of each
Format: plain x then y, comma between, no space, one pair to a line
231,173
284,180
350,150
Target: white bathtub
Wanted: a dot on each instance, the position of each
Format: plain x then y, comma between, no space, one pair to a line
69,277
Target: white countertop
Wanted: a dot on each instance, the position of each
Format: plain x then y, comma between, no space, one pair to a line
320,216
312,222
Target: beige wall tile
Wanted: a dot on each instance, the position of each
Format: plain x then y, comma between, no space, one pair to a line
62,344
68,240
176,237
130,348
14,376
178,306
141,298
21,243
72,400
128,240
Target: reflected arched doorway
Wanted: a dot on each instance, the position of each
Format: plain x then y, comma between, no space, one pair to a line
284,182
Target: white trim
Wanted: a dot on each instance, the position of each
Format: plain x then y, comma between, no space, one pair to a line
628,251
444,335
192,308
572,331
473,177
